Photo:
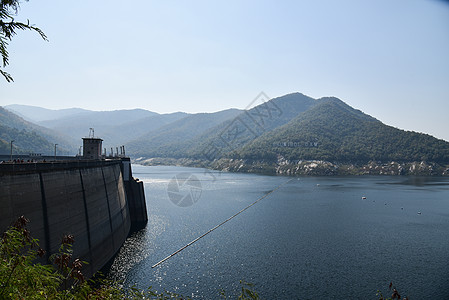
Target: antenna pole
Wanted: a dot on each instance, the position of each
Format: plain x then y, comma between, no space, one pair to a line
11,149
55,151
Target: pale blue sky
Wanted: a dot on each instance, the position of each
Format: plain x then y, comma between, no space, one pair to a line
387,58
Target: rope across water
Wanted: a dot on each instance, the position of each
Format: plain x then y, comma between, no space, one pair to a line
222,223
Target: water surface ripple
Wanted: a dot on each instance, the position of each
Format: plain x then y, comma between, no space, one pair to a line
314,238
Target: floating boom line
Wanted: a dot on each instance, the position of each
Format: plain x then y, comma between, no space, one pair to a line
222,223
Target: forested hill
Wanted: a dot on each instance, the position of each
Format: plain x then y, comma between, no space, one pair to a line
295,134
248,125
28,137
174,139
334,131
281,132
192,136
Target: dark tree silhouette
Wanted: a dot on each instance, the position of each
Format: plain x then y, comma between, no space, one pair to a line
8,28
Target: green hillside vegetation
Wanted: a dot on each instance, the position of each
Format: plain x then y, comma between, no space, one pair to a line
227,130
174,139
116,127
12,120
290,128
313,137
333,131
248,125
25,142
4,146
284,136
28,137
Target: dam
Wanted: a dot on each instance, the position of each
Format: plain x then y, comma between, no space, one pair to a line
95,199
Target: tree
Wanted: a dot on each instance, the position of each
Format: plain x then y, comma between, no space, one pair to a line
9,28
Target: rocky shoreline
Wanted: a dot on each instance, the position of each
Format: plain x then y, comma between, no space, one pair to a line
305,167
325,168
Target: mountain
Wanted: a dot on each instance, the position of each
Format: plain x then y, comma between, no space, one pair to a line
114,127
28,137
291,134
25,142
225,131
37,114
79,124
295,134
248,125
4,145
123,133
334,131
111,126
173,139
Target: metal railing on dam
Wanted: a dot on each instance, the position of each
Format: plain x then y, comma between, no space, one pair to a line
46,166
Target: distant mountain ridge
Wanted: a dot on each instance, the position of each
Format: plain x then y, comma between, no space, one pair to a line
295,128
29,137
37,114
115,127
293,134
175,139
106,124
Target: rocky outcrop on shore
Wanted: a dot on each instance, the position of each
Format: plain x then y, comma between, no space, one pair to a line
307,167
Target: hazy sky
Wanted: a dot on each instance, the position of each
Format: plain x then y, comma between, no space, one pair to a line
387,58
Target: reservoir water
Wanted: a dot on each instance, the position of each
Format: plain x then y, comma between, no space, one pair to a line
313,238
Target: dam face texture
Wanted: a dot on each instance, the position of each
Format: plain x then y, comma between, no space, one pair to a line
91,200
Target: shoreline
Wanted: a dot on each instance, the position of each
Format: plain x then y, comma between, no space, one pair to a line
305,167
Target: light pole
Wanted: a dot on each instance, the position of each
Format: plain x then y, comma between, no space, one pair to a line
11,150
55,151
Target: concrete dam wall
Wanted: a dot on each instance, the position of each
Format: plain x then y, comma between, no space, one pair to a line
90,200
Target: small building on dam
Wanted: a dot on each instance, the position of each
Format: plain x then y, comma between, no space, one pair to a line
94,198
